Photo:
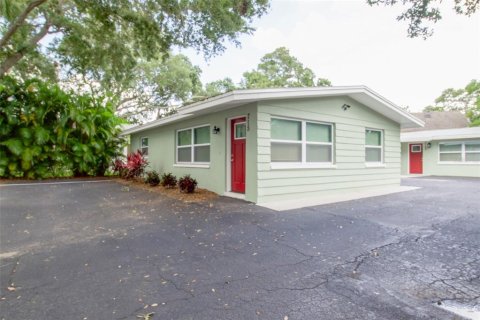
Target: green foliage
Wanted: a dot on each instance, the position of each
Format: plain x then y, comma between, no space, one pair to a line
106,40
279,69
152,178
465,100
218,87
168,180
156,86
187,184
421,14
46,132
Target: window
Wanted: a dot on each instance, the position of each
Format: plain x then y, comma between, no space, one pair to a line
144,146
459,152
416,148
301,142
472,151
373,146
240,130
193,145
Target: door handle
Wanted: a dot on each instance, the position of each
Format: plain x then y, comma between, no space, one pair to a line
231,158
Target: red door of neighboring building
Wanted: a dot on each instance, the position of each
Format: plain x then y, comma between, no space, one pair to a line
238,150
416,158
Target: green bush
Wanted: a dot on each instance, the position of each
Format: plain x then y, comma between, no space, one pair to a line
169,180
47,132
152,178
187,184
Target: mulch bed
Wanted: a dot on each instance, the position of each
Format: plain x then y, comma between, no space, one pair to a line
200,195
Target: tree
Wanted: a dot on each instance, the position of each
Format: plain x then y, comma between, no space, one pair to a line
218,87
465,100
156,87
104,39
279,69
423,13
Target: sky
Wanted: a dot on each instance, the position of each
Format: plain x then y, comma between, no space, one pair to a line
351,43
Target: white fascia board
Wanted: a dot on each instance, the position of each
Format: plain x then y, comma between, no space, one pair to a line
406,118
238,97
446,134
156,123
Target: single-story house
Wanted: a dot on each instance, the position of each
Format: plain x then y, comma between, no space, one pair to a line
442,152
266,145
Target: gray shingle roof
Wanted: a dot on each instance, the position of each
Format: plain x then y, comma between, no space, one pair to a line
436,120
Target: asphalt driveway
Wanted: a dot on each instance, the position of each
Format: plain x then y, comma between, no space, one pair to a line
104,251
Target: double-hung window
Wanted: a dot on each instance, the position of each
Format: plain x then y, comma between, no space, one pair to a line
144,146
373,146
193,145
472,151
467,152
301,143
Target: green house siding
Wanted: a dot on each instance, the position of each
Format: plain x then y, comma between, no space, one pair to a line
265,182
432,167
350,172
404,162
162,150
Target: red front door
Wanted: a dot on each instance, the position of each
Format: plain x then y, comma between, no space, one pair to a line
416,158
238,149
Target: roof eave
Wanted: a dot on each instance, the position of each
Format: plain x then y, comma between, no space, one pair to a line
237,97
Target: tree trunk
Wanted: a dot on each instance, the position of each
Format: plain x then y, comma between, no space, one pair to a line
11,60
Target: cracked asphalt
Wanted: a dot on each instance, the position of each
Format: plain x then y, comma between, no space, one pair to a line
103,251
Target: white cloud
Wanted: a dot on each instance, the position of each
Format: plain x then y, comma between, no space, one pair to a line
349,42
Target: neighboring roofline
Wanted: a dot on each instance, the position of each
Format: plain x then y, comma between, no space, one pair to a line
249,95
441,134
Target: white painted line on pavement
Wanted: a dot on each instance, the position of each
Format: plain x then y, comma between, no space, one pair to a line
49,183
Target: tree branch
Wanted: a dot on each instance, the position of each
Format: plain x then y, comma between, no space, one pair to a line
123,101
11,60
19,21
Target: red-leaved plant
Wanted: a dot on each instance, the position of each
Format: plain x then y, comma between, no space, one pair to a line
187,184
134,168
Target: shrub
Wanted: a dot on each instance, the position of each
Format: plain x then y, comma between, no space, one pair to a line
134,168
48,132
169,180
187,184
152,178
120,167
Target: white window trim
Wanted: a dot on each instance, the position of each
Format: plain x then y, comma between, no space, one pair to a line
147,147
192,145
191,165
297,165
463,153
416,145
304,164
377,164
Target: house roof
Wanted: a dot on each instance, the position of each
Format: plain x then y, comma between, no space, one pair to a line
236,98
444,134
437,120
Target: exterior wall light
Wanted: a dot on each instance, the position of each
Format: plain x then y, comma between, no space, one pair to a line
345,107
216,130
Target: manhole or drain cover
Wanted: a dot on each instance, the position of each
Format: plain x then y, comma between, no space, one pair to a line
466,311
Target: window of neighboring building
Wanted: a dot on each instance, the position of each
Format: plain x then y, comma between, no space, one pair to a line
144,146
373,146
459,151
297,141
193,145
